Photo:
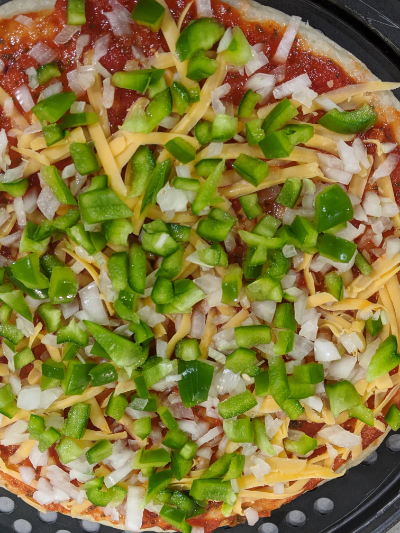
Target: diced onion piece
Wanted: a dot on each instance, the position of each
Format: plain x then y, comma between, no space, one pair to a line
252,516
257,61
26,21
216,96
360,151
225,41
204,8
66,34
27,474
388,147
29,398
392,245
91,302
289,250
372,205
326,103
108,93
325,351
314,402
339,437
48,203
20,211
119,19
150,316
342,369
348,157
209,436
101,47
385,168
24,97
262,84
43,53
54,88
285,45
214,149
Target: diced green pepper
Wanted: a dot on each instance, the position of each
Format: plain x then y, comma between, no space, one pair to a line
384,360
52,108
116,406
149,13
240,430
199,35
392,418
290,192
53,179
195,383
237,405
303,446
63,285
251,169
248,104
336,248
356,121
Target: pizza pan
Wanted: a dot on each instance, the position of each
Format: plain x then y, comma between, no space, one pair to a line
367,498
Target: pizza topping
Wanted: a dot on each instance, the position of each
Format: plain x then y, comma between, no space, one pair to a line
216,343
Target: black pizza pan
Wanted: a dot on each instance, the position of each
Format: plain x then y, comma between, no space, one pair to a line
367,498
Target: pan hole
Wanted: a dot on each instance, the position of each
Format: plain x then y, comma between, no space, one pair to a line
371,459
323,506
22,526
63,531
90,527
393,443
268,527
7,505
296,518
50,517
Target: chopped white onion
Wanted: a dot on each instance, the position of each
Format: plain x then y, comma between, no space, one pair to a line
24,97
340,437
27,474
20,211
26,21
348,157
252,516
314,402
216,96
209,436
285,45
342,369
388,147
214,149
392,246
325,351
47,202
264,310
101,47
289,250
134,508
262,84
257,61
385,168
11,239
54,88
33,82
38,458
66,34
119,19
92,304
43,53
372,205
326,103
204,8
150,317
225,41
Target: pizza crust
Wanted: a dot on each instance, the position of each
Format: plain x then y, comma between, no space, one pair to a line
317,43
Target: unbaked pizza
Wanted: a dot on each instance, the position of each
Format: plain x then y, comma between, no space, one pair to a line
199,260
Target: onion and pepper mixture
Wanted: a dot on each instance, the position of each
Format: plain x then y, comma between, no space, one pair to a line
199,258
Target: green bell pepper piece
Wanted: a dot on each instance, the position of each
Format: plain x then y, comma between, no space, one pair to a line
237,405
251,169
332,207
356,121
199,35
63,285
336,248
48,438
142,167
47,72
180,96
116,406
248,104
342,396
121,350
195,383
392,418
261,438
309,373
303,446
201,67
101,205
384,359
23,358
157,181
374,326
137,269
213,489
118,270
36,426
51,109
149,13
240,430
290,192
250,205
362,264
279,116
53,179
334,284
68,450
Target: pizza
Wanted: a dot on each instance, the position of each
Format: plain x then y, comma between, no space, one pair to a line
199,258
